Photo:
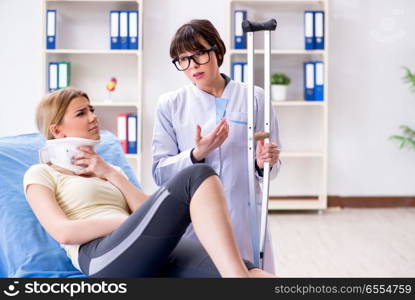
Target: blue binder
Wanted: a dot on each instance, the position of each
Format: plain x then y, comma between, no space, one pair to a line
245,72
133,29
318,81
309,30
132,134
319,29
53,76
237,71
309,81
239,37
123,29
51,29
115,42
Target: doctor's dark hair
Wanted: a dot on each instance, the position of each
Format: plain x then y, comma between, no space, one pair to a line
187,39
52,108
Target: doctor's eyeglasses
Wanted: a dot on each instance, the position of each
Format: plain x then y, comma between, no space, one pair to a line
201,57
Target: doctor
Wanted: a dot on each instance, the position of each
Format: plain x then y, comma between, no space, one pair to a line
206,121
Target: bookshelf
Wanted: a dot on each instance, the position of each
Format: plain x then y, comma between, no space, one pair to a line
93,51
302,181
82,38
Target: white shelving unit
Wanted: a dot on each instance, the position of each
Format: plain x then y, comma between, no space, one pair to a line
275,51
303,124
92,51
82,38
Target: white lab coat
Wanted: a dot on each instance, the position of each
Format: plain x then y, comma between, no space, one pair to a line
177,115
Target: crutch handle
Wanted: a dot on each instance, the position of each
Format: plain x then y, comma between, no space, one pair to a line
259,136
249,26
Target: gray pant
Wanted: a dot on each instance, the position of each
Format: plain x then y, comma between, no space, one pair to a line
149,243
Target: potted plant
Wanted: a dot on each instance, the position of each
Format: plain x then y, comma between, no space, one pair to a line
407,139
279,83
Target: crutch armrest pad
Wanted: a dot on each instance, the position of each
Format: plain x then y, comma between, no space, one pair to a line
249,26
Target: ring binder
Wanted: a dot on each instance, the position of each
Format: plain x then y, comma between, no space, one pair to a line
319,29
51,29
319,81
309,30
239,35
115,29
124,29
309,81
133,29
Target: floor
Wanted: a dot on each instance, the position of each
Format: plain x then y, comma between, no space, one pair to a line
345,243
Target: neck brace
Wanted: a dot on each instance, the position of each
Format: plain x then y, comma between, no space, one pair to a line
60,151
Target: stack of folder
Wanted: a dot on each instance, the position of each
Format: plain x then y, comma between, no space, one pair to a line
314,81
124,29
59,74
127,132
314,29
238,68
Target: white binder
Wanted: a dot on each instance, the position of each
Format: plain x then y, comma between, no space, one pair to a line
124,29
51,29
133,29
53,76
115,29
63,75
319,29
309,30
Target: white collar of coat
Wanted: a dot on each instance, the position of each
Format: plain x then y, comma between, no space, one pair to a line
226,91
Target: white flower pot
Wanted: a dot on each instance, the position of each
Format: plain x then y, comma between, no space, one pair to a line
278,92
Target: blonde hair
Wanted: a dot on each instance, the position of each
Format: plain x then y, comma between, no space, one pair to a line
52,108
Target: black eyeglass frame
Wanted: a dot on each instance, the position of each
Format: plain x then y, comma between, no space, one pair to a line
192,57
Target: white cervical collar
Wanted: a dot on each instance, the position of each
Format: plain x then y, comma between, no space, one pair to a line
60,151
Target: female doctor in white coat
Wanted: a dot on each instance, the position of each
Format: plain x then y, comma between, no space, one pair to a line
206,122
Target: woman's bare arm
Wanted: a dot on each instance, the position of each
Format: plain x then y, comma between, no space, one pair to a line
132,195
59,226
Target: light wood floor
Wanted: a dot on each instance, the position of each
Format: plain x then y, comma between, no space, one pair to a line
345,243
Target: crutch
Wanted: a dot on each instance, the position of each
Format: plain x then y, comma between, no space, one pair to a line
249,28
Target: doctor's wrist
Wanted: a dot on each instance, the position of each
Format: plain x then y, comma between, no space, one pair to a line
196,159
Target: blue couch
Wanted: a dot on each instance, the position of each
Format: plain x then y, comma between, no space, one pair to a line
26,250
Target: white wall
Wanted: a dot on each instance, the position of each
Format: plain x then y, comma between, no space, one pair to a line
161,21
369,42
20,63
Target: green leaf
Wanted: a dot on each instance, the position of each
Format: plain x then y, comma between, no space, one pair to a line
410,133
404,142
280,78
409,77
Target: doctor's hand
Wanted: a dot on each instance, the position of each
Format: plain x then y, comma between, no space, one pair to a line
95,165
206,144
267,153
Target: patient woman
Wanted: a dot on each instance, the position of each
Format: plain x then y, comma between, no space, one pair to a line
109,228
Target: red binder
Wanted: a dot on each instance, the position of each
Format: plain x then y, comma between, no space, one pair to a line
122,131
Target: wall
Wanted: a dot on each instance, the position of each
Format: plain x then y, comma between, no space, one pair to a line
370,41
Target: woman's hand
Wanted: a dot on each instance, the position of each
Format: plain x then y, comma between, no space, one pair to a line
94,164
208,143
267,153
